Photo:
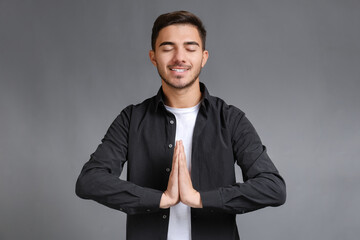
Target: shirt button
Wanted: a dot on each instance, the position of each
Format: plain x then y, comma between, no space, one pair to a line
170,145
171,121
164,216
148,210
168,169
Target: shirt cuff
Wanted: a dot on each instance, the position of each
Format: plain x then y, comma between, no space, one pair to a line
150,199
211,199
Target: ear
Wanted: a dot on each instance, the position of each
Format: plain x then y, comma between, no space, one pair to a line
204,58
152,57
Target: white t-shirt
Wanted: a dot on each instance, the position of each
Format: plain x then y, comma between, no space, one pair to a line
180,215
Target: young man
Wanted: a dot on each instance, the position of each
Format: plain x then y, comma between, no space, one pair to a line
181,147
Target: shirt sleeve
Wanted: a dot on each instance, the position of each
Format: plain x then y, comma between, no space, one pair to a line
99,179
263,186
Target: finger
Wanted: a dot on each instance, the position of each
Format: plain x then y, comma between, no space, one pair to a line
176,146
179,142
175,166
176,149
175,163
182,161
183,156
181,145
182,149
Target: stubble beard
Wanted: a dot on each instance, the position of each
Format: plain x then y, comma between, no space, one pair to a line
186,85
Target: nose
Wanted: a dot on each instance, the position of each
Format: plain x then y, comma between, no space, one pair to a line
179,56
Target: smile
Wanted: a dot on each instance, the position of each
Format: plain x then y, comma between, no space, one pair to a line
179,70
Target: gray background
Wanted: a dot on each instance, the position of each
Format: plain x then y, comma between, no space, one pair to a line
67,68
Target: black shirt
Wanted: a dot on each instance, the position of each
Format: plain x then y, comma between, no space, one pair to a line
144,136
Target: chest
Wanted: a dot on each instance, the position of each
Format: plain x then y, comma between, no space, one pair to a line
151,145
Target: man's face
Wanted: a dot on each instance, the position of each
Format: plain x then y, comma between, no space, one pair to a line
178,55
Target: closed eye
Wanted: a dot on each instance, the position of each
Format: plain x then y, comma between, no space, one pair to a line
191,49
167,49
167,46
191,46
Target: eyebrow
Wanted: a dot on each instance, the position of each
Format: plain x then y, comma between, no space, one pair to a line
166,43
186,43
192,43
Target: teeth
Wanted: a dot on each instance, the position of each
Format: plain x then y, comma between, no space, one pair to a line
178,70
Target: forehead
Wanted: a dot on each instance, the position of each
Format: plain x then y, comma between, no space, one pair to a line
178,34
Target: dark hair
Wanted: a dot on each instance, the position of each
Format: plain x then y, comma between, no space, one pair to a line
178,17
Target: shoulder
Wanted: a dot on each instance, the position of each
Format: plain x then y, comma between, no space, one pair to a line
227,110
231,117
137,109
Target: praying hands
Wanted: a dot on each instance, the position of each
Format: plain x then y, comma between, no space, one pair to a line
180,187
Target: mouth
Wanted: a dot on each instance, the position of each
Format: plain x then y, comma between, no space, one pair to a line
179,69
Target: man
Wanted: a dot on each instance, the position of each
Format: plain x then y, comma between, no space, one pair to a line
181,147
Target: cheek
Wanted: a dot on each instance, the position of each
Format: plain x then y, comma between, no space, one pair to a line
162,61
199,61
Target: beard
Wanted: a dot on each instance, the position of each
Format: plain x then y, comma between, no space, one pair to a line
183,86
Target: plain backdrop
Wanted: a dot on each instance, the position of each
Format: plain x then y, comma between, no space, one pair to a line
67,69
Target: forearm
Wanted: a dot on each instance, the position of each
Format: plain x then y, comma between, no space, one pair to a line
107,189
267,189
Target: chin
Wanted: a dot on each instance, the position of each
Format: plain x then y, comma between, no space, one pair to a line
182,84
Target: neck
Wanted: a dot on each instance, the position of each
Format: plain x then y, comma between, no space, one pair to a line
182,98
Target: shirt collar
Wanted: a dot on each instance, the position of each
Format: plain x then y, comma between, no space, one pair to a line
205,101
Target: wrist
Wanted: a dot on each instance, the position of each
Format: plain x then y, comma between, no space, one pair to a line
197,200
166,201
193,200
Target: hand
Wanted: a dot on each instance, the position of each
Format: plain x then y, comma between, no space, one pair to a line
171,196
188,195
